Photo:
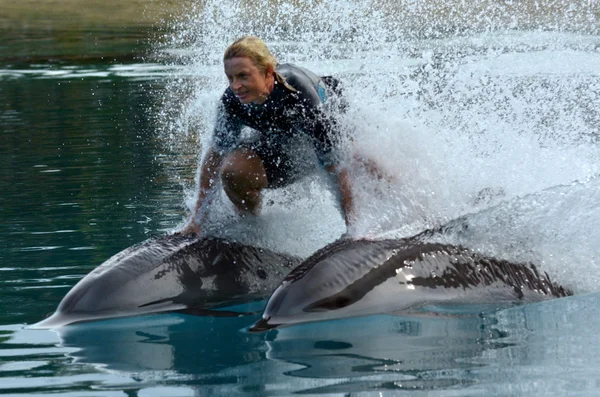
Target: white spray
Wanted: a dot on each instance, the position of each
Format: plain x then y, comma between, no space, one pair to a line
489,111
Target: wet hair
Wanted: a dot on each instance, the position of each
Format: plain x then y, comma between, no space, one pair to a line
256,50
253,48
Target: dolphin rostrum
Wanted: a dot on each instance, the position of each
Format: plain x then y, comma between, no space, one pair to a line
173,273
362,277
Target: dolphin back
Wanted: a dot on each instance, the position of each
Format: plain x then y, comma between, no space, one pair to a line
169,273
363,277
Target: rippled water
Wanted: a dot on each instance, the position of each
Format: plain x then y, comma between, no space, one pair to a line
100,155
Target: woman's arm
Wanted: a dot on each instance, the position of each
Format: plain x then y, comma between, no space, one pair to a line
345,185
346,193
209,172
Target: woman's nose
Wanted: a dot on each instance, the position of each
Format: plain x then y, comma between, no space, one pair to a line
235,84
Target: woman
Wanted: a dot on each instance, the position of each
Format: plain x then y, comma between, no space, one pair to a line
285,105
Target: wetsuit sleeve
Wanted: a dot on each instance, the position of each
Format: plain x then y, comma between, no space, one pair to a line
317,121
227,127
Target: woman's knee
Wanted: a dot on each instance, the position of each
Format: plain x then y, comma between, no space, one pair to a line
243,167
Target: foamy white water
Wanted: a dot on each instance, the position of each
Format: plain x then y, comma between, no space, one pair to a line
491,114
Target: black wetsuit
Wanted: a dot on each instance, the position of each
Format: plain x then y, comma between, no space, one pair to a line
287,130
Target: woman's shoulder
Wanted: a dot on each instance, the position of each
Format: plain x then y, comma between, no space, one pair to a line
308,85
297,76
229,101
228,96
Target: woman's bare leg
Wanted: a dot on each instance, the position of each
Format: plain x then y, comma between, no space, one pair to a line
244,176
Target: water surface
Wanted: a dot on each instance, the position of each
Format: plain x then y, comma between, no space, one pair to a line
99,153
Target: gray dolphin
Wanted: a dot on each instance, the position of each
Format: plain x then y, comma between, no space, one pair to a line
173,273
355,278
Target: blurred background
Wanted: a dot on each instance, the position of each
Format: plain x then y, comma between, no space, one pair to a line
53,30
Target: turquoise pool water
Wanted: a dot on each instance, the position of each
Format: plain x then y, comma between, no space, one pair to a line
97,156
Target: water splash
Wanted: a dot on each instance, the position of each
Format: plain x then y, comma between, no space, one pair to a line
465,106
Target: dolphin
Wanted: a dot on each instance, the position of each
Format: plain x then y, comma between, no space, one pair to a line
173,273
350,278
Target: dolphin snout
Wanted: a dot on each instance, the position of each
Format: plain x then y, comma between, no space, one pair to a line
263,325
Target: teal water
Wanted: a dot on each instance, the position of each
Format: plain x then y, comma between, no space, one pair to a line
96,156
79,160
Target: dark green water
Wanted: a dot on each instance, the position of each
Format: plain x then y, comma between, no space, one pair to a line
81,179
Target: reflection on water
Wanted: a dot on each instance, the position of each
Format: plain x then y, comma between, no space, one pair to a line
320,358
67,72
513,352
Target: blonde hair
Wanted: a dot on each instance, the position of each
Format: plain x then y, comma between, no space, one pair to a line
256,50
253,48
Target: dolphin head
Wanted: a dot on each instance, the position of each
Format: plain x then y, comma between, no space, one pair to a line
336,282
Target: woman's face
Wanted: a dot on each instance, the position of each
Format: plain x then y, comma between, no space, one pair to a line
246,81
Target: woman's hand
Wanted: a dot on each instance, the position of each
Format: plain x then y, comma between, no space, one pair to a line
191,228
